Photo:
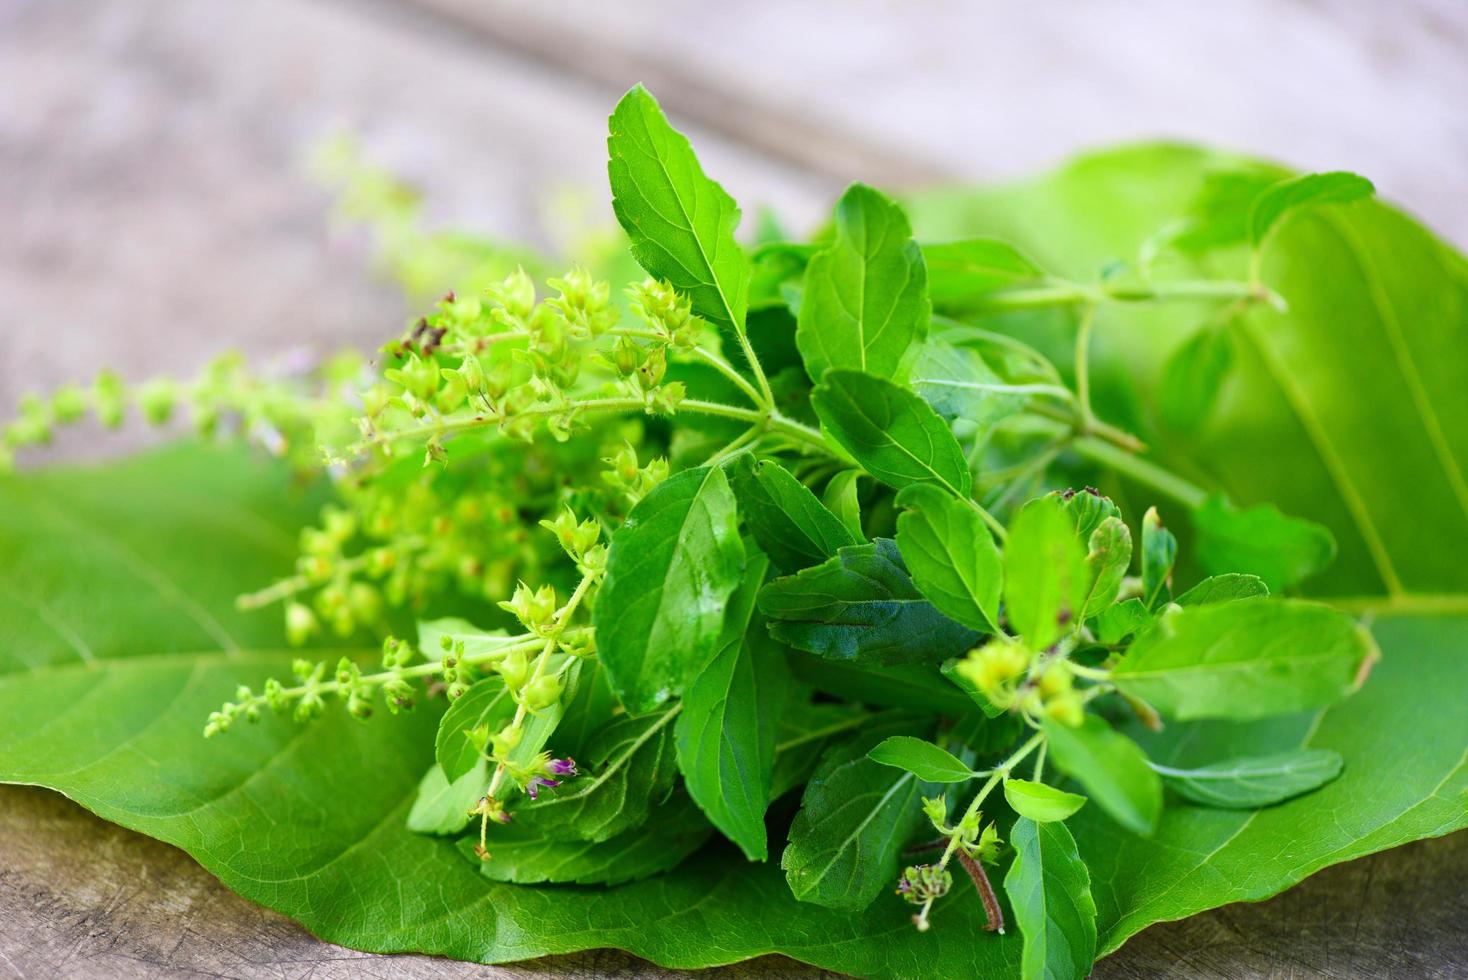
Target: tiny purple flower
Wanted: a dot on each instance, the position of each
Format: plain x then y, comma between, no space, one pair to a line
533,788
561,767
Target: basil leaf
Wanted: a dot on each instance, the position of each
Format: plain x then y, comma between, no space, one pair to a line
1039,802
525,856
1282,551
1045,573
841,498
960,384
671,568
951,555
1118,622
629,772
1246,659
442,807
861,606
1244,784
1107,560
855,817
917,687
790,524
963,272
922,758
726,734
1159,551
1192,377
680,223
891,432
805,731
1338,187
1224,588
1049,889
486,703
1112,768
1089,509
865,304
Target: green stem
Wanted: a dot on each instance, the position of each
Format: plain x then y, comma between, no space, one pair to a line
1065,293
971,812
1083,367
1142,470
770,420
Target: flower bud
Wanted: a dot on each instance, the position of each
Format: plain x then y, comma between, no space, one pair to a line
504,741
542,692
300,623
514,667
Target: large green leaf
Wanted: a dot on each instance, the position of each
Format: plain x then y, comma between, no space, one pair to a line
1410,713
1375,305
680,223
725,735
672,566
1243,784
865,305
1046,579
127,605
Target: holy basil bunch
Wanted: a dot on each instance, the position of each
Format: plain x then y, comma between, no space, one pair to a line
802,571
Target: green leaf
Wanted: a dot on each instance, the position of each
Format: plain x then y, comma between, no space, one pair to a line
922,758
1159,551
855,817
805,731
1338,187
671,569
1118,622
917,687
1045,573
681,223
841,498
525,856
1113,770
865,304
1224,588
960,384
963,272
1193,376
1107,560
486,703
790,524
1247,659
1049,889
951,556
1244,784
1283,551
1039,802
629,771
442,807
725,736
1089,509
861,606
891,432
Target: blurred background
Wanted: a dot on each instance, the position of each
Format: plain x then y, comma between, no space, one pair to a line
156,207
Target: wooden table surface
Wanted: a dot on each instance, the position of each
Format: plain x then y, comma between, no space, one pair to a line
154,210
